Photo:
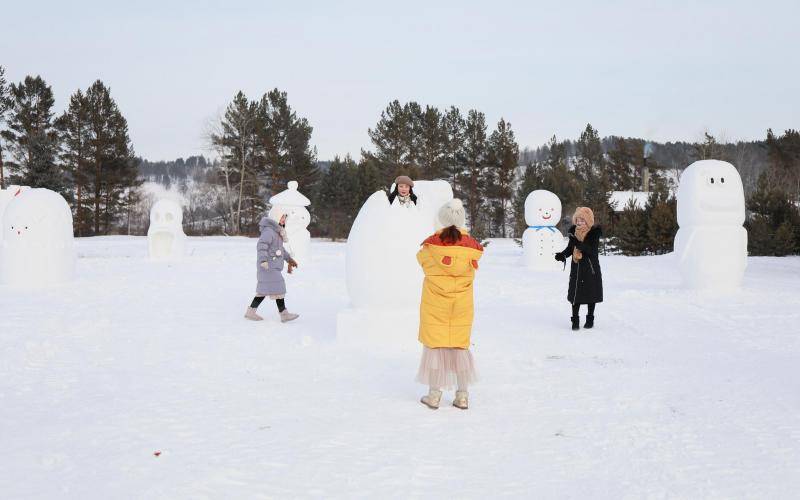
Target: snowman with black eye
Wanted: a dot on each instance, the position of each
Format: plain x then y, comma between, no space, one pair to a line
711,244
542,239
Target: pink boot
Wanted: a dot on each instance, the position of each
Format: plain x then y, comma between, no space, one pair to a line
251,315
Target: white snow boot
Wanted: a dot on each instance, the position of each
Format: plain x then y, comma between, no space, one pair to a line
251,315
432,399
286,316
460,400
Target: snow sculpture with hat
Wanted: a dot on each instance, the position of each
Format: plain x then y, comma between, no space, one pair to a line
293,204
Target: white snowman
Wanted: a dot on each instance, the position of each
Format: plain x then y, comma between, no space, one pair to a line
293,203
165,237
38,247
711,244
542,239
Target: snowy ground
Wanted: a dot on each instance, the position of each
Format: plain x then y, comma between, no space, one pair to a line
674,394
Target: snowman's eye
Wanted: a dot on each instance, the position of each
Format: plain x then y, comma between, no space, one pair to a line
712,180
540,209
722,180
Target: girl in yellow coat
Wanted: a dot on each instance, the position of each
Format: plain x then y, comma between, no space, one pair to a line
449,259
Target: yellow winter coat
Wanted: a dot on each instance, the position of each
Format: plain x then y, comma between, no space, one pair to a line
446,308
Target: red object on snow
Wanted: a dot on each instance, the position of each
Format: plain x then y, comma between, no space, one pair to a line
157,453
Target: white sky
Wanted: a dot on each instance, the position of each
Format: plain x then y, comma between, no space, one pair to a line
658,70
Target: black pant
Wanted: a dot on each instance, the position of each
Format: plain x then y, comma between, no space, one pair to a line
258,300
576,310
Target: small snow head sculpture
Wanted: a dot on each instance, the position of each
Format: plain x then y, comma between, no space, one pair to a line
6,197
38,247
542,208
710,193
165,236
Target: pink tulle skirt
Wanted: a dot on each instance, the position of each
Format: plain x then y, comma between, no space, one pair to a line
444,368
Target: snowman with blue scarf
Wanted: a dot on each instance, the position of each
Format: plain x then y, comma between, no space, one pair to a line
542,239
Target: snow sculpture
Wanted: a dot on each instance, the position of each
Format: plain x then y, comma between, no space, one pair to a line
382,269
711,244
384,280
542,239
292,203
165,237
38,247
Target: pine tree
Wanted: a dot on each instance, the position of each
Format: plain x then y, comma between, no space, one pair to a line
432,144
532,179
32,137
621,159
502,158
453,124
4,106
336,194
771,208
76,137
283,139
112,174
709,149
591,171
390,137
236,141
559,179
784,240
631,230
473,180
662,224
369,180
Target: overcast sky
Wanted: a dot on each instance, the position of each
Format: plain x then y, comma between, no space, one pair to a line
658,70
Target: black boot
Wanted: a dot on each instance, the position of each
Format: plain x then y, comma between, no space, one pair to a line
589,321
576,323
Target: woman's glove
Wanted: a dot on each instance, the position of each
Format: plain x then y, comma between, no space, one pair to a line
264,266
292,264
560,257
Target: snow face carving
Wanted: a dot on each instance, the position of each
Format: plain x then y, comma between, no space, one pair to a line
6,196
711,244
165,237
293,203
37,246
542,239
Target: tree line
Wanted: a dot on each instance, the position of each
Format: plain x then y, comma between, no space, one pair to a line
258,145
85,154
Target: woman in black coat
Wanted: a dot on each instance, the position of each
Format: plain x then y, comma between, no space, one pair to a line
585,276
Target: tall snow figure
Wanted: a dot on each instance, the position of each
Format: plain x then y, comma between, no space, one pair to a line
292,203
383,277
542,240
38,248
711,244
165,237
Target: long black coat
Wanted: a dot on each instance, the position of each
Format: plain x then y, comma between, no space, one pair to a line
585,276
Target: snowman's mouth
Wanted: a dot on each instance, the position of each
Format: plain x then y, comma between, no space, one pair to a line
545,217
